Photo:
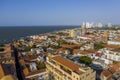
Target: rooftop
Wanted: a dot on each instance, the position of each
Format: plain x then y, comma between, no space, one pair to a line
69,64
116,50
7,50
70,46
111,46
36,72
109,73
115,66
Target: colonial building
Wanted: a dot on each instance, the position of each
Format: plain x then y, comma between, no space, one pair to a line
60,68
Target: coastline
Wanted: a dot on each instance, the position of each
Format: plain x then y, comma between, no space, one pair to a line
35,31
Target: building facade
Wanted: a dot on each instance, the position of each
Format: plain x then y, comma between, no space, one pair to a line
60,68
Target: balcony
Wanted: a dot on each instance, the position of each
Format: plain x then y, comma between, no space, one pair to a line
59,70
66,70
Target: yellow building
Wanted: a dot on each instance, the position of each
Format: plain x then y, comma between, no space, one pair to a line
75,32
1,72
72,33
106,35
9,77
60,68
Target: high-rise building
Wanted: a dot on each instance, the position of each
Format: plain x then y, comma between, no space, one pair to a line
99,25
106,35
109,25
83,29
60,68
72,33
88,25
75,32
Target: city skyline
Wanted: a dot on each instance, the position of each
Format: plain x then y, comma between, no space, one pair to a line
52,12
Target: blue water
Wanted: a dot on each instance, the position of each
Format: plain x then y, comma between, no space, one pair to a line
8,34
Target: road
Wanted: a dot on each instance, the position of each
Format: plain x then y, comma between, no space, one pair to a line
19,71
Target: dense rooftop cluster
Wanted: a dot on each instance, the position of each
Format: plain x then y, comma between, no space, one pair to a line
74,54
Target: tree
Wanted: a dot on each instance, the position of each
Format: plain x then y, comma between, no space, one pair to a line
41,65
56,47
85,59
26,49
2,49
51,36
2,45
98,46
61,42
33,46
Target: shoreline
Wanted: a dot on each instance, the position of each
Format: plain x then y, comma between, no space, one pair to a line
5,41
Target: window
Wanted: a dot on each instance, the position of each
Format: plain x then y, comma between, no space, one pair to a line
53,62
83,76
119,59
66,70
77,78
87,74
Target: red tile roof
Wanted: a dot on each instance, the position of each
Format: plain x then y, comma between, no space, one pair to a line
108,73
69,64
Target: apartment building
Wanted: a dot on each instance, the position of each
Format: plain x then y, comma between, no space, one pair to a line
60,68
111,54
76,32
113,35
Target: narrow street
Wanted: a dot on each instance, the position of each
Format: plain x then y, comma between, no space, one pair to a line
19,71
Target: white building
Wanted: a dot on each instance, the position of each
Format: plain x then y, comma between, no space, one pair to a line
40,50
111,54
109,25
33,66
114,42
88,25
99,25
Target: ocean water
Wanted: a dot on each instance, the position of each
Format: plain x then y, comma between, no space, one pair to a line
8,34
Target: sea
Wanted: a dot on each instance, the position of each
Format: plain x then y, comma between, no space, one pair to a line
9,34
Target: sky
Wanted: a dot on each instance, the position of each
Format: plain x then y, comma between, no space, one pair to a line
58,12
